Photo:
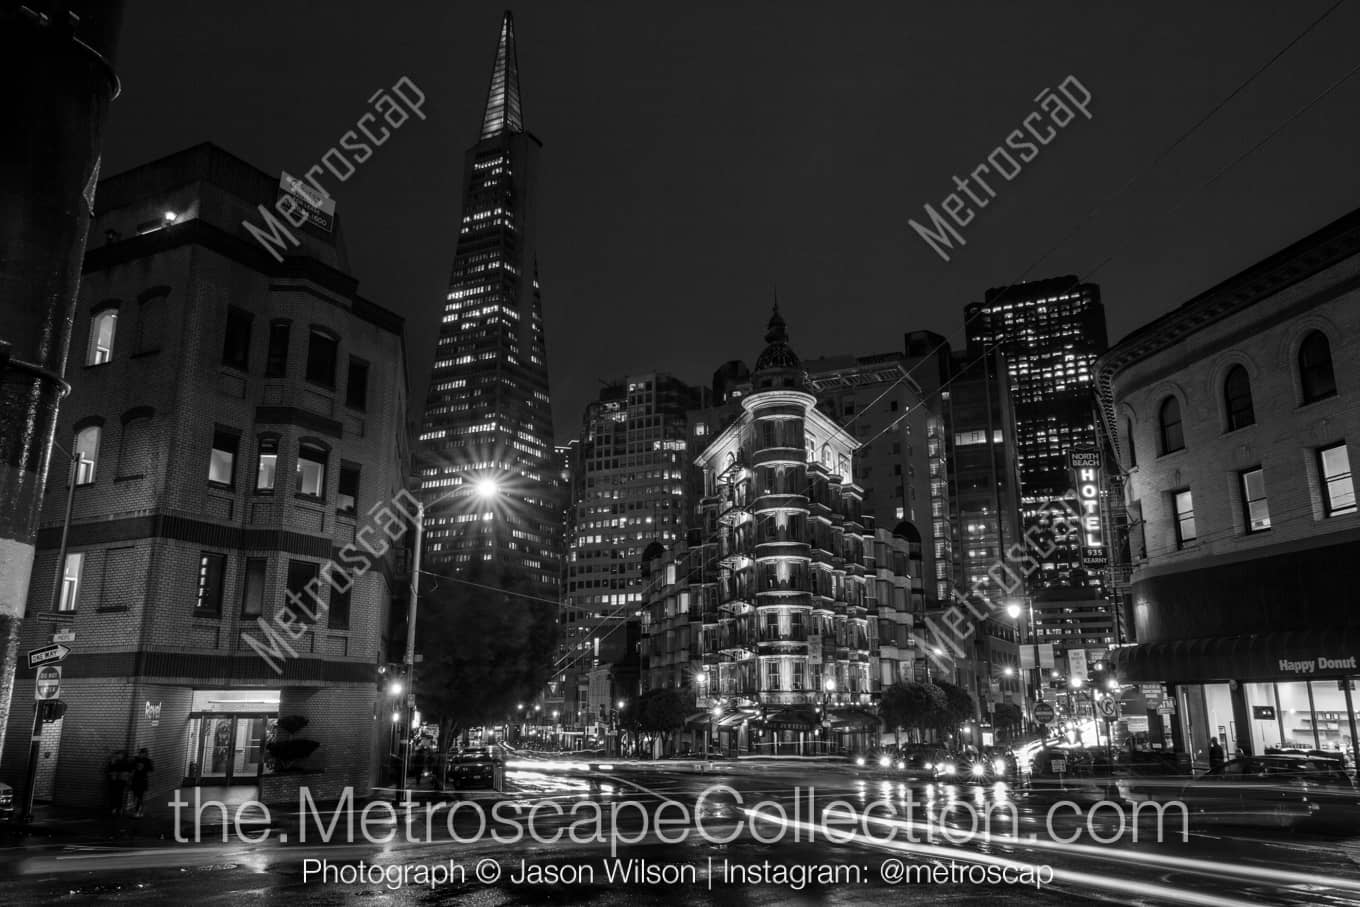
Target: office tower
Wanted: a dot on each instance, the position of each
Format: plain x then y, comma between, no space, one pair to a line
901,461
239,428
487,414
628,490
1050,332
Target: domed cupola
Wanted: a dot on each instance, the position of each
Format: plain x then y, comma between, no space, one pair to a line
778,365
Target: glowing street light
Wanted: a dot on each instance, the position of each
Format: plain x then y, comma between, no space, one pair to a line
1013,610
484,488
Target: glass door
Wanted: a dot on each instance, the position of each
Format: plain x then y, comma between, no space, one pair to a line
248,747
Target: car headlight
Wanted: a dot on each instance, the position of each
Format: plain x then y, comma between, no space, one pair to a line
901,765
929,766
948,769
859,760
999,766
884,762
979,769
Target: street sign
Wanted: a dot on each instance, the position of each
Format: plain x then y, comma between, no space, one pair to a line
48,685
47,655
1168,707
66,634
1107,708
1043,713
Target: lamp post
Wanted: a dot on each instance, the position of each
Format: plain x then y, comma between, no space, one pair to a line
714,714
485,488
827,689
702,680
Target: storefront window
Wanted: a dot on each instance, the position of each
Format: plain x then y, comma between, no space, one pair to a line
1265,718
1330,720
1296,714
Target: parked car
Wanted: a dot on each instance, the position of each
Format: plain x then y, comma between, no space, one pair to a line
6,802
476,768
1262,791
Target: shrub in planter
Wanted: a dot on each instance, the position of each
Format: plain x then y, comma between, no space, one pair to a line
289,752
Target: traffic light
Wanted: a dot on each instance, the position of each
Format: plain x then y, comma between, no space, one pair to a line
390,679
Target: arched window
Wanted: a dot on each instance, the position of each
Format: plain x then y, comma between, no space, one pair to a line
1237,399
1128,437
1169,421
103,325
87,454
1315,368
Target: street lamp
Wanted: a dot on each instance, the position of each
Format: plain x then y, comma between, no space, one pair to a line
485,488
713,717
702,680
827,689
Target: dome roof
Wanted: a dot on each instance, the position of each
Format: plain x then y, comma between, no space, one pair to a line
777,353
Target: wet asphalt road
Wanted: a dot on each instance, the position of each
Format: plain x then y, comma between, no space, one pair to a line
594,840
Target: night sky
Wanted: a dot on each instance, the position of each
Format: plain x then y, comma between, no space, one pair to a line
697,157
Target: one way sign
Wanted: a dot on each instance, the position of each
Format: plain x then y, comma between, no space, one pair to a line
47,655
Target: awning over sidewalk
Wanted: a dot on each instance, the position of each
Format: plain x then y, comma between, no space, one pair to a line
854,720
1292,655
792,720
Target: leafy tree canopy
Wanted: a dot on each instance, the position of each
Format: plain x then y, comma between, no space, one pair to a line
485,646
907,704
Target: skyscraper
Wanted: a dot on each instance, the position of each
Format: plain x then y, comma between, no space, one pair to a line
628,491
487,414
1050,332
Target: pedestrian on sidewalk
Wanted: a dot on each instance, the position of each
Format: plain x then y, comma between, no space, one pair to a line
116,773
1215,754
140,779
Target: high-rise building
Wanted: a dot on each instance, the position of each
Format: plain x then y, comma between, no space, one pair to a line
782,639
901,461
217,555
1050,333
628,491
487,413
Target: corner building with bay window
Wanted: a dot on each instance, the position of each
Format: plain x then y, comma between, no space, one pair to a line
787,595
235,421
1237,419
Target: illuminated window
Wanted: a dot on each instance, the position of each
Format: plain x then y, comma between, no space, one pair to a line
103,326
1338,487
1255,508
86,454
70,582
311,469
222,459
267,469
1183,508
211,569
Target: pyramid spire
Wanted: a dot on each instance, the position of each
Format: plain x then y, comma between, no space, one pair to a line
502,99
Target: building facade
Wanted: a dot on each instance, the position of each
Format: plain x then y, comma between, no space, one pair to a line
1237,429
236,424
629,490
771,615
487,413
1050,333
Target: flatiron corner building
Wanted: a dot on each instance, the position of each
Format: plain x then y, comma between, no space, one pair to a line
487,414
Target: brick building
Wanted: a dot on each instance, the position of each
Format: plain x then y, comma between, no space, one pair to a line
237,420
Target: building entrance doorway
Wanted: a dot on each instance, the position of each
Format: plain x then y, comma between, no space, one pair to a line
227,736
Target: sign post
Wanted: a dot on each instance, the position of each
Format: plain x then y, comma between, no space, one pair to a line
46,688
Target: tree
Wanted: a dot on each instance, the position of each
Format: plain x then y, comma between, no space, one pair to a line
662,712
288,752
486,646
1008,715
958,707
907,704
